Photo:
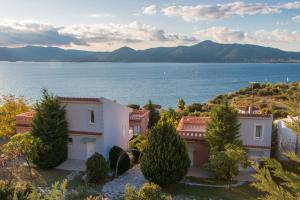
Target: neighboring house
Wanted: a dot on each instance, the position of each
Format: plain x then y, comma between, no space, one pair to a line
94,124
138,121
287,138
255,133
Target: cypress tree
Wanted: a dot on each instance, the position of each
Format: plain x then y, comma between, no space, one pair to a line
153,114
50,126
165,159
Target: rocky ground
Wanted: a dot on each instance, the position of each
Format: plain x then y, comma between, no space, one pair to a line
115,188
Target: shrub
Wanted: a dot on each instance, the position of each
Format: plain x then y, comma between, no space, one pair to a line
138,143
9,191
97,168
149,191
165,159
83,192
124,163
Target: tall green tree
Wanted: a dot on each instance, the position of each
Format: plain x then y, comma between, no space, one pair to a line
10,106
181,104
165,159
153,114
222,128
272,178
50,126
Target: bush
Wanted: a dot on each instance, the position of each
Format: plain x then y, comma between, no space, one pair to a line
97,168
165,159
138,143
134,106
124,163
149,191
9,191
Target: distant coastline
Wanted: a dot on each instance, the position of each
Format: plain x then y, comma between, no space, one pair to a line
203,52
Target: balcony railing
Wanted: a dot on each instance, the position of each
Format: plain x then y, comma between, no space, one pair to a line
191,135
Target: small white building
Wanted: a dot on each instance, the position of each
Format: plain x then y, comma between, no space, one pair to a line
287,138
94,124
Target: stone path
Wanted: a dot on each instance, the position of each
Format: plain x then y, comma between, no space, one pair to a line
115,188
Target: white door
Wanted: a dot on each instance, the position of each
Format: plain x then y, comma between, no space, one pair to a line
90,149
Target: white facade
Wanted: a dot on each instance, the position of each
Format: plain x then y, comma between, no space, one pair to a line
287,138
256,135
95,126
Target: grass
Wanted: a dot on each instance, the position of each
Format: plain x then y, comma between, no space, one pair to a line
209,181
245,192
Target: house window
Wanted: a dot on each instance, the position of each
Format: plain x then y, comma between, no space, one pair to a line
92,117
70,140
258,131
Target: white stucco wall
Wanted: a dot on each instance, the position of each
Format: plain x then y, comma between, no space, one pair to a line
78,150
287,138
247,131
78,116
116,125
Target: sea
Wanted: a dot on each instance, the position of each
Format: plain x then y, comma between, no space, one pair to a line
163,83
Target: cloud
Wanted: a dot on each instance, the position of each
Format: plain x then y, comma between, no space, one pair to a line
227,35
150,10
219,11
130,33
296,19
101,15
23,33
20,33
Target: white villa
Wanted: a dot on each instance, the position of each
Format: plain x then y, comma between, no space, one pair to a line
95,125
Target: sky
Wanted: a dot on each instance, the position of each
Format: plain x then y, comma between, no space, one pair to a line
105,25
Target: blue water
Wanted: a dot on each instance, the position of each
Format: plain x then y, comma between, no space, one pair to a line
127,83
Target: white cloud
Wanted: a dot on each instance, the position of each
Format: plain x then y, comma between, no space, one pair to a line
290,5
274,38
150,10
218,11
23,33
101,15
296,19
20,33
130,33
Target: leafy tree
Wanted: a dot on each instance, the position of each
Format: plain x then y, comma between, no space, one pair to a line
171,115
181,104
272,178
165,159
153,114
10,106
222,128
194,107
97,168
134,106
225,164
138,143
149,191
23,145
50,126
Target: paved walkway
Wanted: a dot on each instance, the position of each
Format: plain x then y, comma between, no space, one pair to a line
72,165
115,188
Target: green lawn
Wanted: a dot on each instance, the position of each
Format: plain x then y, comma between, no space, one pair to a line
244,192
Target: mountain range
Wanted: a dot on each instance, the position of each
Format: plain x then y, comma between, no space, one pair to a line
206,51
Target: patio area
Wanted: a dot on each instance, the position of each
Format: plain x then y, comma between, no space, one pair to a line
72,165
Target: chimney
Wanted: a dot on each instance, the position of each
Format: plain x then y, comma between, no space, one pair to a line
250,109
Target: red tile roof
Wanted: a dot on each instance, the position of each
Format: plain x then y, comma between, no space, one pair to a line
198,124
26,114
138,114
